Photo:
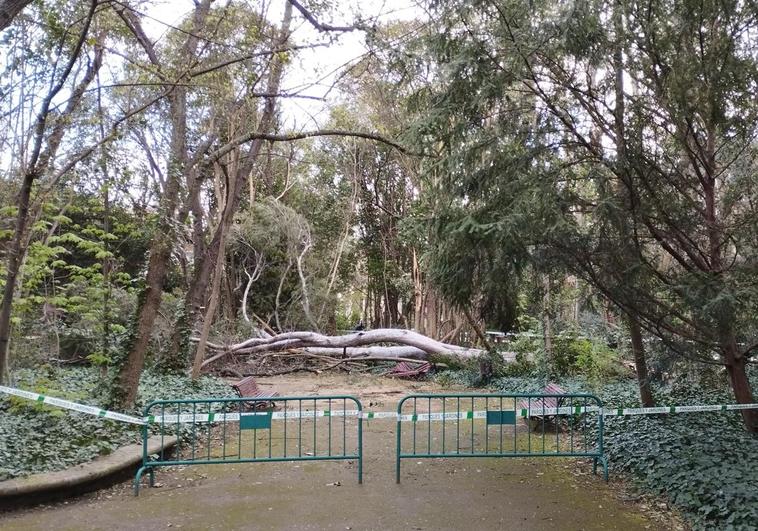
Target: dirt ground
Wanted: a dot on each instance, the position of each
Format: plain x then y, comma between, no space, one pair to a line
486,493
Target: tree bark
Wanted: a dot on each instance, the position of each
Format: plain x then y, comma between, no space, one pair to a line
640,362
9,9
210,312
380,335
743,394
547,329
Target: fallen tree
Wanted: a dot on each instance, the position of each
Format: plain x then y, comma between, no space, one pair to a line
412,345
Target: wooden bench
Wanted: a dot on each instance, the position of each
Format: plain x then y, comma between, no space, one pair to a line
248,388
406,369
535,406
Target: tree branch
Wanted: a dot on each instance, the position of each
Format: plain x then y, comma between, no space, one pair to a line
307,15
270,137
9,9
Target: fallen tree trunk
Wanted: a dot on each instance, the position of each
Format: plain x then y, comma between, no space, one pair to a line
378,352
413,345
357,339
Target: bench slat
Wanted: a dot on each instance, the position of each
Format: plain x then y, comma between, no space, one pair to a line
248,388
549,402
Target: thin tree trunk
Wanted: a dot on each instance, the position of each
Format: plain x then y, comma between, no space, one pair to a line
547,328
279,294
343,240
640,362
211,310
418,297
475,327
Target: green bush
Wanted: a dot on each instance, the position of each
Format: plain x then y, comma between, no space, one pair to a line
522,366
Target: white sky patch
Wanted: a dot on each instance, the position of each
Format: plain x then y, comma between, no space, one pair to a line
313,72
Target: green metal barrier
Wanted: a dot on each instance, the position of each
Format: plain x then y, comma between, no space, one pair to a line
248,430
486,425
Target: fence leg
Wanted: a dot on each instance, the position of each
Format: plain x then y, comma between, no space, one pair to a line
397,452
360,448
594,466
605,468
138,477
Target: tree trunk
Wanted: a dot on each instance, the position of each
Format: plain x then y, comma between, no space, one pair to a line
380,335
14,258
418,297
477,330
547,329
735,367
640,363
124,391
9,9
413,345
742,391
211,310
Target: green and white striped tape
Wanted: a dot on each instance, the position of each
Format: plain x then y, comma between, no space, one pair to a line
67,404
235,417
367,415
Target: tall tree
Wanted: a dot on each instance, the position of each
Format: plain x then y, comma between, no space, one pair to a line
47,133
127,380
237,175
634,168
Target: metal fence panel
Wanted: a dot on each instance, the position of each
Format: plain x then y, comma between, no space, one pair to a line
487,425
250,430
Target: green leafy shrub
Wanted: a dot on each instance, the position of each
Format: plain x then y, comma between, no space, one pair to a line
566,350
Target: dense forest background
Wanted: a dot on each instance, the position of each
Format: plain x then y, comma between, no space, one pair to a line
581,175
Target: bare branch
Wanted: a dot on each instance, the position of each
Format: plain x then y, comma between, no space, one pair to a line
270,137
307,15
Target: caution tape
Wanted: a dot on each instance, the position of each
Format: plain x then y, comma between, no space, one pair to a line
189,418
67,404
611,412
235,417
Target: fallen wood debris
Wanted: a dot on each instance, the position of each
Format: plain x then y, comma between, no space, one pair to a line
360,347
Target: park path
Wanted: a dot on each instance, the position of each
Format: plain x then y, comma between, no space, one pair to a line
550,494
